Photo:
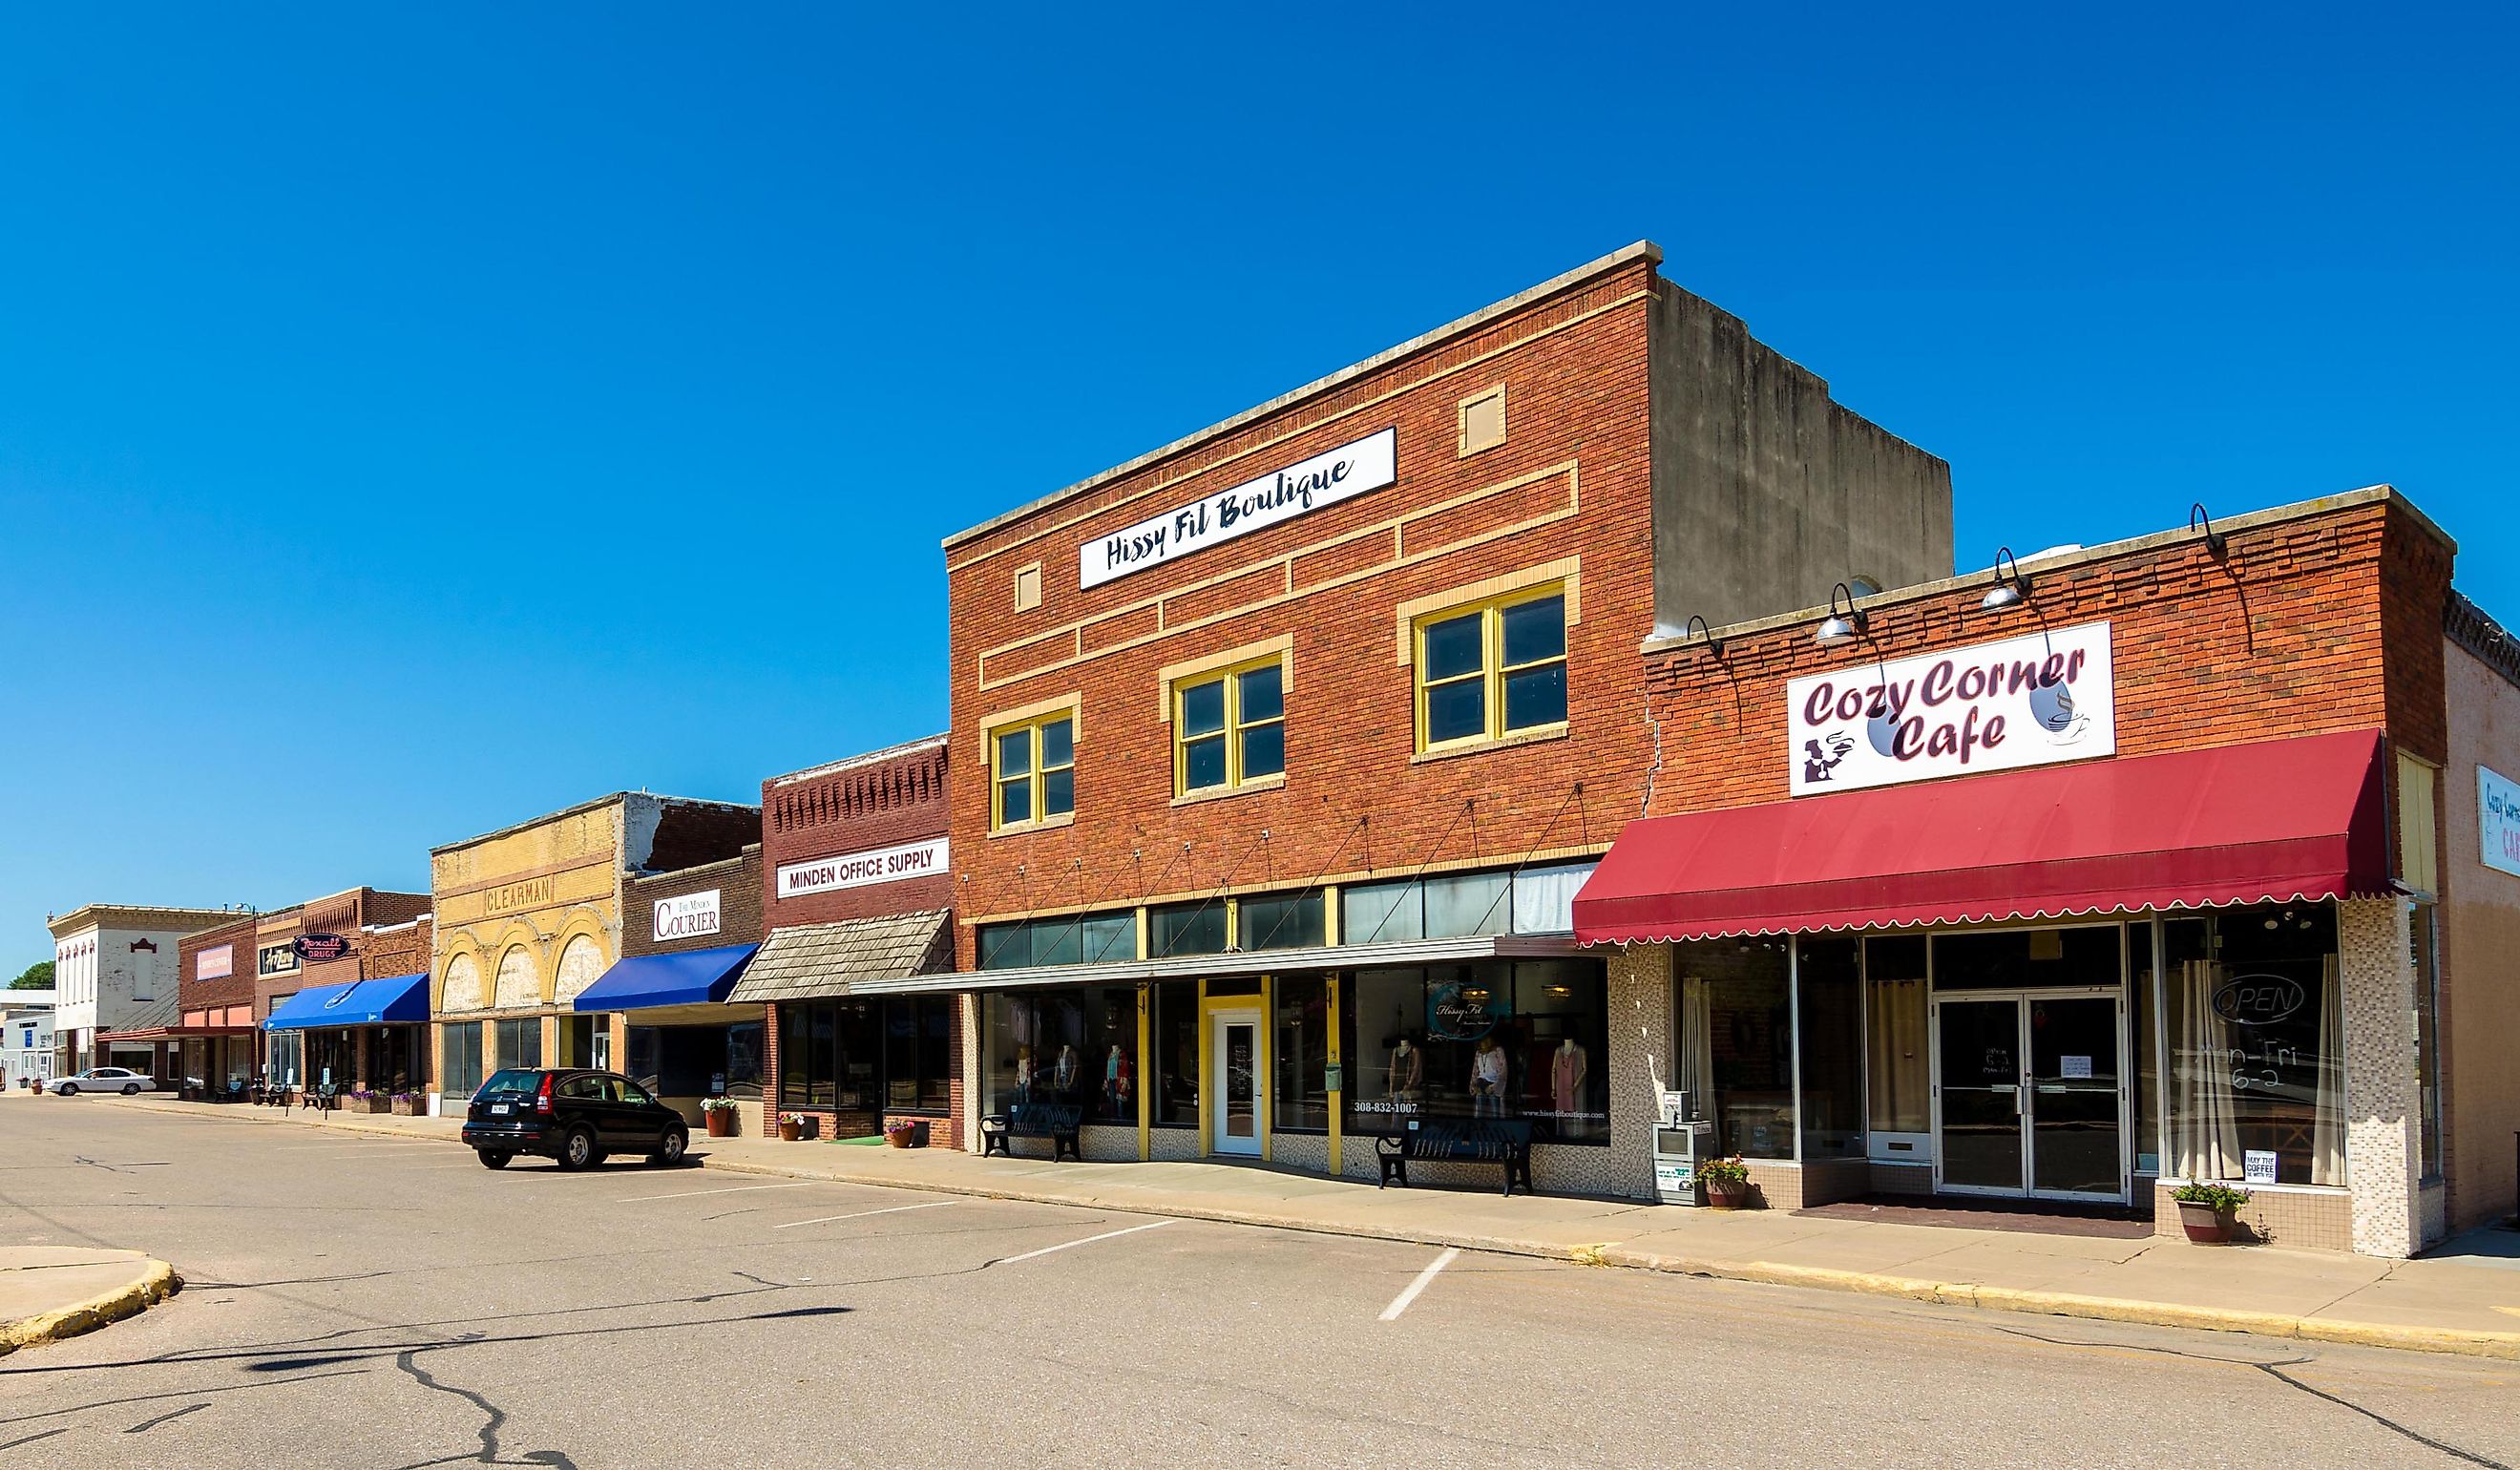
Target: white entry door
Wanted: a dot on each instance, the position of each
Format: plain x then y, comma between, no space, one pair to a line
1233,1040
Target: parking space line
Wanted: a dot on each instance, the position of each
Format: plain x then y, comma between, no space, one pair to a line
1409,1293
863,1214
1087,1240
640,1199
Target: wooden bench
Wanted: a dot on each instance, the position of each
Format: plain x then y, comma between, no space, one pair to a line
1505,1142
1057,1122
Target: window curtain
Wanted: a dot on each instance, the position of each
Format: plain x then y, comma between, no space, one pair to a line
2206,1137
1897,1069
1697,1044
2328,1119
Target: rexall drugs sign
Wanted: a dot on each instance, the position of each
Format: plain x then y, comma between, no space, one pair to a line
2000,706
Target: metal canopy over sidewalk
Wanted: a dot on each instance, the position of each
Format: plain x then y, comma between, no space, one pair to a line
1395,954
2278,821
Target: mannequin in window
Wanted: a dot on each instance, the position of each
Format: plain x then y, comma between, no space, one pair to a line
1487,1080
1567,1066
1024,1073
1408,1076
1062,1077
1117,1084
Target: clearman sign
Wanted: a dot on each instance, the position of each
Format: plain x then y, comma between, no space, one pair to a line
688,915
858,870
1325,479
2024,701
2497,822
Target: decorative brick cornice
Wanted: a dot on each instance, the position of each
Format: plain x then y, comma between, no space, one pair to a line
2474,629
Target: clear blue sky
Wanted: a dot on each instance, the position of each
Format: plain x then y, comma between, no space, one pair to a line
414,419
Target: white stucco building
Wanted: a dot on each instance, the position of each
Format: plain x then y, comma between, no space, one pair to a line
25,1036
109,960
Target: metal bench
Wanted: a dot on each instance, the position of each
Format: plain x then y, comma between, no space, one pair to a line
1057,1122
1504,1142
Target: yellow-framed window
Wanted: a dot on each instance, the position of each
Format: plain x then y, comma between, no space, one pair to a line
1032,770
1493,669
1230,727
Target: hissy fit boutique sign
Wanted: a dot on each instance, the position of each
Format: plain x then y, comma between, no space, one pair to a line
2497,822
2025,701
1281,495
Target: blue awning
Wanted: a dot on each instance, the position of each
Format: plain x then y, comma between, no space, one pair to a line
687,977
391,1002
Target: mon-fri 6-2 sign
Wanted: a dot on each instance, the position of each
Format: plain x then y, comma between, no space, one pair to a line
1998,706
1281,495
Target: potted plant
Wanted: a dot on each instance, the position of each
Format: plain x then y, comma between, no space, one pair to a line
719,1113
2206,1210
790,1127
365,1101
904,1133
1727,1183
403,1104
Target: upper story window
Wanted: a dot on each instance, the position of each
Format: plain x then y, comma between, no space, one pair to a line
1032,770
1230,729
1492,670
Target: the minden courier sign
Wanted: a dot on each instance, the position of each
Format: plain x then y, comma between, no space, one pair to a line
887,865
1281,495
2025,701
687,916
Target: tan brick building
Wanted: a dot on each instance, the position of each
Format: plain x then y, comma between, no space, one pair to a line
1281,749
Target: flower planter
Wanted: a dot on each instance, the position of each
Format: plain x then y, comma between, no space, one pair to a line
369,1104
906,1136
404,1107
2205,1225
721,1122
1728,1196
790,1127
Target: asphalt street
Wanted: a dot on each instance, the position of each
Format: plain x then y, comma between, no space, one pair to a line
376,1302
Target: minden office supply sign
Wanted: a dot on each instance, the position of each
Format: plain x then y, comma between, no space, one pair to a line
1279,496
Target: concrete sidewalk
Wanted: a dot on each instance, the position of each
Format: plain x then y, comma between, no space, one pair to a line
2459,1305
55,1291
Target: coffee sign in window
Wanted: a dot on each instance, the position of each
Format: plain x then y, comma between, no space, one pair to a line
2000,706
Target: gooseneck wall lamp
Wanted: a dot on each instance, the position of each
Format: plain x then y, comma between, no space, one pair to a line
1697,628
1840,627
2216,544
2011,589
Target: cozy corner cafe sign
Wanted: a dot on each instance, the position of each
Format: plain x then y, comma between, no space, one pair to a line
1281,495
2497,822
2024,701
858,870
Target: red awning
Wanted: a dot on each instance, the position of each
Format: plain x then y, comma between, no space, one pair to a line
2282,819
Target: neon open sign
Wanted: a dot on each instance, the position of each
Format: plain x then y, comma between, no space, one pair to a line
2259,1000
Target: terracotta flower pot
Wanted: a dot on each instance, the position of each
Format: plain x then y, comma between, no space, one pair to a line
790,1127
2205,1225
1728,1196
721,1122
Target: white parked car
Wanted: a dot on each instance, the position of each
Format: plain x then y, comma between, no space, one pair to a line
103,1080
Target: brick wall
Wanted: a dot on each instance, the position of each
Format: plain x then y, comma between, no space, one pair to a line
884,799
831,1123
277,928
1572,480
400,950
235,989
737,882
2290,633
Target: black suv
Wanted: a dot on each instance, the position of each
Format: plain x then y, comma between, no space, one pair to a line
570,1115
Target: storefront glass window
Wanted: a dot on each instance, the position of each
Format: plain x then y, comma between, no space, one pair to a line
918,1053
1301,1055
1532,901
1544,898
1735,1030
1176,1044
832,1054
1078,1045
1187,930
286,1067
1828,977
2256,1040
462,1043
520,1042
1075,939
1381,913
1468,903
1491,1040
2027,958
1896,1063
2143,1048
1281,923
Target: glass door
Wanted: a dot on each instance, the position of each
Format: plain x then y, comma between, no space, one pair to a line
1980,1145
1235,1043
2076,1091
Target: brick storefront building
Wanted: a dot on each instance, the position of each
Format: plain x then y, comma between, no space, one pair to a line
858,893
342,993
1281,750
685,937
2116,869
220,1045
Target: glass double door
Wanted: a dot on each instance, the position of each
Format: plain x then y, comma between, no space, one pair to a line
2030,1095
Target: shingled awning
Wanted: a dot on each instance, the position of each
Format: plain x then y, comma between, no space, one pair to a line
803,962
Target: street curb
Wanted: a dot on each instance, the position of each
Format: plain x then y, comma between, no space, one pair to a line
159,1282
2450,1340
